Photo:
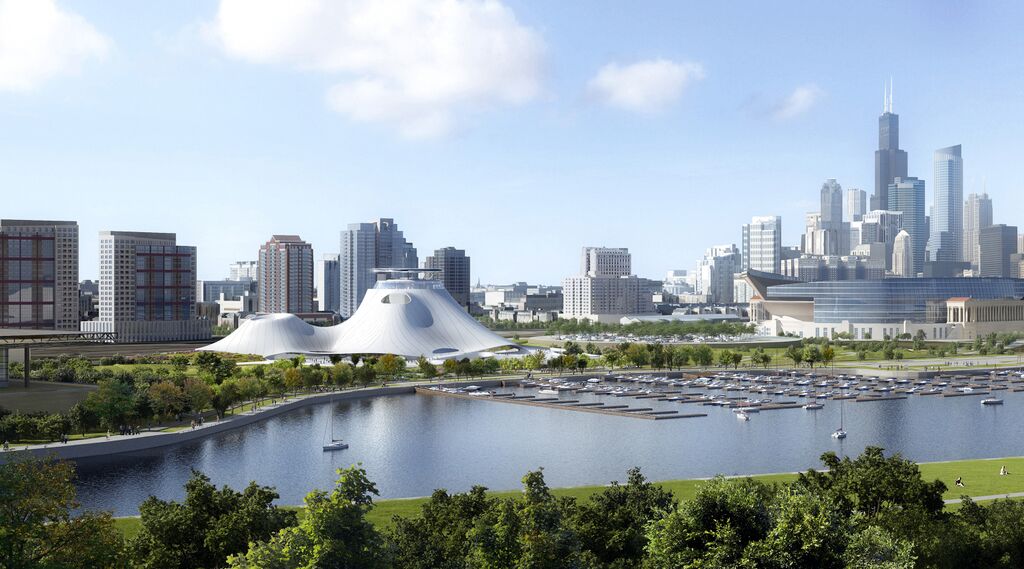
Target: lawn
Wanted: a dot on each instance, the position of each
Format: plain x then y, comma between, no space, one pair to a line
980,477
45,396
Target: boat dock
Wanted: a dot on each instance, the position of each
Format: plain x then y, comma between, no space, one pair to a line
571,405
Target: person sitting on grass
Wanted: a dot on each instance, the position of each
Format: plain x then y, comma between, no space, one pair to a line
959,482
1003,471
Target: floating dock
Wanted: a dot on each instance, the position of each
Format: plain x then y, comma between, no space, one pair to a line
571,405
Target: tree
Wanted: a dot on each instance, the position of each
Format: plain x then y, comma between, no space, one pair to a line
437,538
333,533
795,353
389,366
611,524
197,394
737,358
37,529
828,354
812,355
168,399
207,527
111,403
533,531
681,356
426,369
703,355
875,548
714,528
572,348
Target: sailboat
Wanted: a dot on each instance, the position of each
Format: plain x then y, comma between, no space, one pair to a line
840,433
334,444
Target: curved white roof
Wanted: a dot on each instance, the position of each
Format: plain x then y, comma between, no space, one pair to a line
404,317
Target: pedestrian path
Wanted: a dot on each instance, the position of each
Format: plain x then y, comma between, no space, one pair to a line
984,498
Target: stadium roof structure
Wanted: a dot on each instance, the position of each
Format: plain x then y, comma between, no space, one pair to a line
406,317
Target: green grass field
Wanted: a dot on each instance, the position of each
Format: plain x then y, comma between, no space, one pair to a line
980,477
43,396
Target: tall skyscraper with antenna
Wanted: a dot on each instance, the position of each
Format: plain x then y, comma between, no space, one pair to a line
890,161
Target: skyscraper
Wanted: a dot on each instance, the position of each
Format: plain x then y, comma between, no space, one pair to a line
243,270
369,246
907,195
977,216
890,161
327,280
903,255
604,290
285,275
762,244
715,273
998,242
825,231
39,274
454,272
855,205
945,241
881,227
147,289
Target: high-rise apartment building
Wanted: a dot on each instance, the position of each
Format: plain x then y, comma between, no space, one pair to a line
604,291
369,246
715,273
243,270
998,243
453,267
327,280
977,216
39,274
147,289
890,161
285,275
855,206
762,244
907,195
945,241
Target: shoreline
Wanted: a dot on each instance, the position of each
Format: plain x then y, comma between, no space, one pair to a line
122,444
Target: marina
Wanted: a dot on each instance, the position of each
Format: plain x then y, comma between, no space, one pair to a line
414,443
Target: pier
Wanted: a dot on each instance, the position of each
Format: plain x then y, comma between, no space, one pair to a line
570,405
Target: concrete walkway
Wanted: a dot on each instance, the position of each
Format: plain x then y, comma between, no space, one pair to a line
986,498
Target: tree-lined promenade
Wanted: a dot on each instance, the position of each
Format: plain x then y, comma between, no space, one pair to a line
174,390
870,511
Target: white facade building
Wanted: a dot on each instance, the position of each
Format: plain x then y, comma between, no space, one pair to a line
903,255
715,273
762,244
604,291
977,216
147,289
243,270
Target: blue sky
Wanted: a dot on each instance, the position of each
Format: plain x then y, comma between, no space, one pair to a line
518,130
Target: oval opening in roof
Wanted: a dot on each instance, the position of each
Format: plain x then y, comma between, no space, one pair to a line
396,298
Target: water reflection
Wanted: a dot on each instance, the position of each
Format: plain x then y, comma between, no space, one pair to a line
413,444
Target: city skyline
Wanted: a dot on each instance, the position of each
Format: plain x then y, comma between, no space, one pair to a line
155,109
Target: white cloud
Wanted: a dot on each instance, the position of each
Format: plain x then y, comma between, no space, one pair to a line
645,86
413,63
39,41
801,100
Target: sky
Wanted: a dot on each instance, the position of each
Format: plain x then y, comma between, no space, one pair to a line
518,130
